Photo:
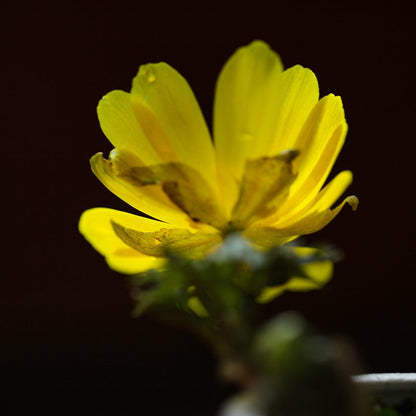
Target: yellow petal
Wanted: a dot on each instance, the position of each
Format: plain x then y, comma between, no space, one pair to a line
95,225
297,95
179,192
150,200
186,188
166,107
121,127
311,222
129,261
267,236
244,112
324,200
332,191
319,273
316,220
165,240
320,142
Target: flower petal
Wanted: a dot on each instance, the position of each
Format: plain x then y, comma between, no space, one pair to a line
185,187
320,142
267,236
120,125
324,200
332,191
174,187
244,112
129,261
298,93
168,112
167,240
150,200
311,222
95,225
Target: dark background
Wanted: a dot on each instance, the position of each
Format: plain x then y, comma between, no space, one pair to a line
69,343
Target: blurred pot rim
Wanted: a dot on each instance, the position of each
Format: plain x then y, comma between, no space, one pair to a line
389,388
392,381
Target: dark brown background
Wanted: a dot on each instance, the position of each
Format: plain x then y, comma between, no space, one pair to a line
68,341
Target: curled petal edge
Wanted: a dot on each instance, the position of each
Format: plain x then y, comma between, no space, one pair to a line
268,237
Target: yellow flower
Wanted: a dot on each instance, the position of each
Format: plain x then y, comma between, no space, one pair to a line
274,144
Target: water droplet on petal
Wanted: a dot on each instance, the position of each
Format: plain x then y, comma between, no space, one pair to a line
246,137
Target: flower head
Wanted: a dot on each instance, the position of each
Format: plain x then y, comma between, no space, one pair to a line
263,174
